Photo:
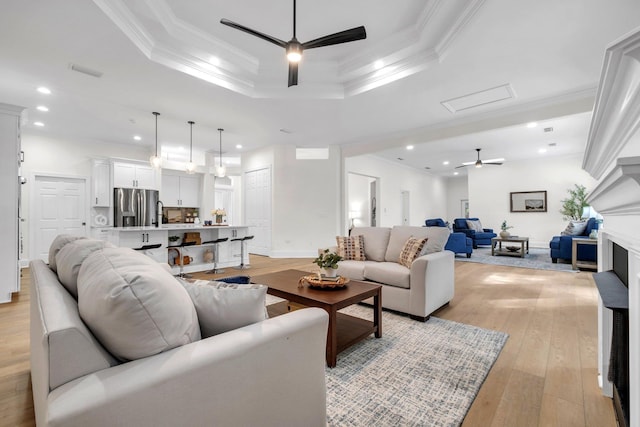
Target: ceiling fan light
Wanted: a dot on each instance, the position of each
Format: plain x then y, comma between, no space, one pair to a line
294,52
478,164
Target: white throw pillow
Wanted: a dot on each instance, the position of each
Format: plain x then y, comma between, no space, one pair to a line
575,228
133,306
475,225
70,258
222,307
58,243
437,238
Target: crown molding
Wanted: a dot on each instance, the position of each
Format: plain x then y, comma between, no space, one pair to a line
618,193
616,115
190,49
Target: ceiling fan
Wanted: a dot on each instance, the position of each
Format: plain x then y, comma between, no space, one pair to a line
479,163
294,48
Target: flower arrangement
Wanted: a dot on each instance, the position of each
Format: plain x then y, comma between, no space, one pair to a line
218,212
504,226
327,259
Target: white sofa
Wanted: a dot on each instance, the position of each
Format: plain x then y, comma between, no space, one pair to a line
269,373
417,291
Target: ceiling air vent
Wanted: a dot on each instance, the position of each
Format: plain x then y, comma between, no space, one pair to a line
549,129
477,99
85,70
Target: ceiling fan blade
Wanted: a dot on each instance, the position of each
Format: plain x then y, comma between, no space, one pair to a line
346,36
293,74
258,34
468,163
462,166
491,163
493,160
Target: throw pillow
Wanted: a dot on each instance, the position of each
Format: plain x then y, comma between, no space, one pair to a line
351,248
70,258
575,228
222,306
411,250
57,244
475,225
133,305
437,238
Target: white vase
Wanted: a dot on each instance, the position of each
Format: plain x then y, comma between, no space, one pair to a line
329,272
504,234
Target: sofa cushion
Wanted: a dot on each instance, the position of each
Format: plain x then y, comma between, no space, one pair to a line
57,244
410,251
399,235
222,306
475,225
71,256
376,240
389,273
133,306
437,238
351,247
575,228
352,269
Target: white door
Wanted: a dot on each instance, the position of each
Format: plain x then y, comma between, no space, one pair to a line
58,207
257,202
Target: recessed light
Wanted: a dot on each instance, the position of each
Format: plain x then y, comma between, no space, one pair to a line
409,147
542,150
42,108
378,64
39,124
239,146
456,173
44,90
446,162
531,125
137,137
214,60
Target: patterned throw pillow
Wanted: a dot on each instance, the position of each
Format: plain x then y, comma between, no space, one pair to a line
411,250
475,225
575,228
351,247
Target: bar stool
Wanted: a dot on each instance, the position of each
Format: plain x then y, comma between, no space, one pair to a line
242,265
216,257
180,259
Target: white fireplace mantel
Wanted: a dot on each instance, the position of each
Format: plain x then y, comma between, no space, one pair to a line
618,193
616,114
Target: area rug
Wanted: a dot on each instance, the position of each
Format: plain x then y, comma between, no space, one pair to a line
536,258
416,374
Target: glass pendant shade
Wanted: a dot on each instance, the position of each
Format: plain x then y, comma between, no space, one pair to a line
220,170
190,168
155,160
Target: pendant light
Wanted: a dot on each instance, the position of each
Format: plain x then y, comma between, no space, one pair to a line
155,160
191,167
220,170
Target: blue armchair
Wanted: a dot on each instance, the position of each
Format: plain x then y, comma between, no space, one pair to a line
561,246
478,238
458,243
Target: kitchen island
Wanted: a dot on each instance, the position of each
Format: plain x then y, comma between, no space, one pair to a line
167,244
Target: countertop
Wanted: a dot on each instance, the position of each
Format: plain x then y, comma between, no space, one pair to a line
170,227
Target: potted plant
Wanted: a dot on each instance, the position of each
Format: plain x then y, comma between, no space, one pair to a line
218,213
328,262
573,206
504,227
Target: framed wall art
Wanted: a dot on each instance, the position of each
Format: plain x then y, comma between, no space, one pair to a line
528,201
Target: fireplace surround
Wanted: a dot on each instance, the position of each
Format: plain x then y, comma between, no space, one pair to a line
612,157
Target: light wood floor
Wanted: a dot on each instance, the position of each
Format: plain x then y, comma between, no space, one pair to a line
545,376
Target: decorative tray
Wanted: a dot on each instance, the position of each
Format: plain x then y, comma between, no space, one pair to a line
314,282
513,248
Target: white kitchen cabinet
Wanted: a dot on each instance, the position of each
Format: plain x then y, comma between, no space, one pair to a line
101,183
182,191
10,202
133,175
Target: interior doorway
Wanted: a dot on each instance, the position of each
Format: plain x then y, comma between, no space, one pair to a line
362,200
406,207
58,206
257,202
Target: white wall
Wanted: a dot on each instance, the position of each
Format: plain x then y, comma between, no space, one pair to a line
457,190
489,189
428,194
306,199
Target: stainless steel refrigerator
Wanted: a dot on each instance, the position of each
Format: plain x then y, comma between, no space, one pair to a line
134,207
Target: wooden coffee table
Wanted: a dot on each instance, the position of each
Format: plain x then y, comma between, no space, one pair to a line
497,249
344,330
